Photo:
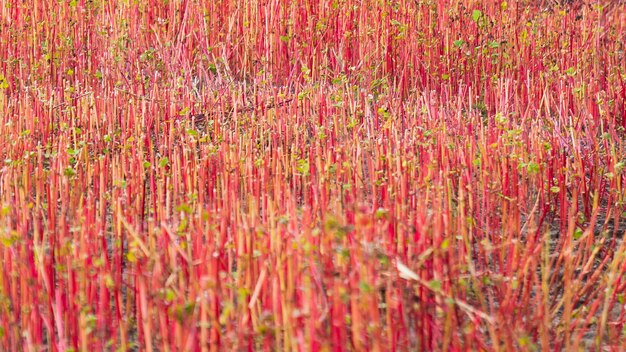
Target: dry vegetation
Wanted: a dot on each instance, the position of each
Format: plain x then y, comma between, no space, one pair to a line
345,175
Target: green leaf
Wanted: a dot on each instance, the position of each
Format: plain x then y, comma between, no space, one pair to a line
303,167
434,285
3,82
69,172
578,233
183,208
184,111
476,15
459,43
365,287
8,241
169,295
532,168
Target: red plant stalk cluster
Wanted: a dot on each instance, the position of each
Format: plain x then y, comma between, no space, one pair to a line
341,175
